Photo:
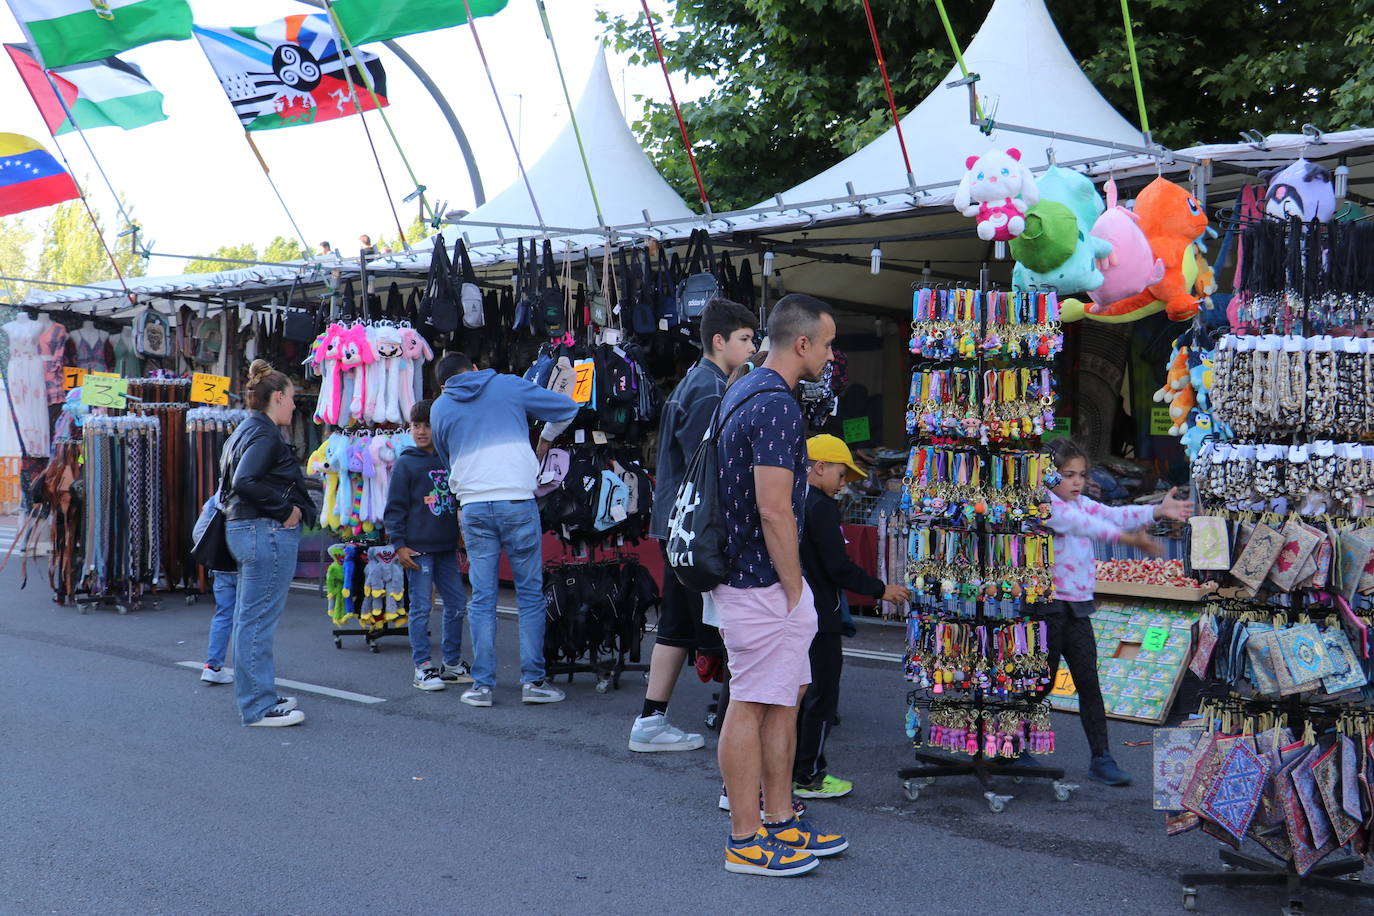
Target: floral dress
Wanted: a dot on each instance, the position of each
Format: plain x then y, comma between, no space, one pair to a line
27,386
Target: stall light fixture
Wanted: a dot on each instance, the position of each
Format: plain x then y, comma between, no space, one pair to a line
768,262
1342,179
875,260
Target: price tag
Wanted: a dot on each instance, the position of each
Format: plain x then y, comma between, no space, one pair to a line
101,390
1160,421
598,437
1155,638
582,388
1063,683
71,377
209,389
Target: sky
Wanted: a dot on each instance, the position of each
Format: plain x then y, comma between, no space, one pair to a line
194,184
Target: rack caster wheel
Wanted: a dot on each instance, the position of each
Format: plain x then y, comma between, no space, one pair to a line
338,642
374,647
1190,899
1063,791
603,685
997,803
911,789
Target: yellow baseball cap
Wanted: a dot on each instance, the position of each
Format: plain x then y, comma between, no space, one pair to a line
832,449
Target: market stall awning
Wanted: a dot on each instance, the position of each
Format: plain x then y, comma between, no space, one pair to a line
627,184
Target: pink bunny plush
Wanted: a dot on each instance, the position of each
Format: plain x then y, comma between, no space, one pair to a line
996,190
326,357
415,353
355,356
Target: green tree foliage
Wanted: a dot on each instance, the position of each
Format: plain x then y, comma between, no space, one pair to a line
797,89
15,240
72,251
282,249
245,252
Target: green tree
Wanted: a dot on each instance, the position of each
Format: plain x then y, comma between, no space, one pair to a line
797,89
72,251
245,252
281,249
415,232
15,240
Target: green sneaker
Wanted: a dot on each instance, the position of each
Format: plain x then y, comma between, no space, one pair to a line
829,787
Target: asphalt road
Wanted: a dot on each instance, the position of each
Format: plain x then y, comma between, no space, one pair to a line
130,787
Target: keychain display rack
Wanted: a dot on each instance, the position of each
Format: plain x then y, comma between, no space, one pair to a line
982,390
1282,754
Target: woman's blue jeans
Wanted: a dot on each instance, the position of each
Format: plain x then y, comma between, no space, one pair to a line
266,554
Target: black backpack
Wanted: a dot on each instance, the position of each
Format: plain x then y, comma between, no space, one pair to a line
702,285
552,310
642,319
696,525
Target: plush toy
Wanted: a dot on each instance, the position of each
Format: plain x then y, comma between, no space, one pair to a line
326,361
356,461
350,572
1172,220
996,190
394,581
341,486
384,379
381,457
1199,427
415,352
334,586
1303,189
1078,270
1177,375
1182,404
366,511
385,587
355,358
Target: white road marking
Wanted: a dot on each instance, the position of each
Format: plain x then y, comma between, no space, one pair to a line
308,688
873,655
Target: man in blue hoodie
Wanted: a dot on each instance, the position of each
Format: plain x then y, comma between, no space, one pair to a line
481,431
422,523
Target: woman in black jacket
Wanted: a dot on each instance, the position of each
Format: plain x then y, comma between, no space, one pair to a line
265,500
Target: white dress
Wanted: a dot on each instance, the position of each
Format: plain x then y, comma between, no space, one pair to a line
27,387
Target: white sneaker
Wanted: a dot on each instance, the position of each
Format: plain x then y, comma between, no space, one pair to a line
216,676
277,718
285,704
427,678
652,733
477,696
460,673
541,692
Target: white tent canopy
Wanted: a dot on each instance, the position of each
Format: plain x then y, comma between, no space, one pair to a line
626,181
1027,77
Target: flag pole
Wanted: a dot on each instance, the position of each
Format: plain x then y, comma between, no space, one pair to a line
357,106
426,212
81,192
267,173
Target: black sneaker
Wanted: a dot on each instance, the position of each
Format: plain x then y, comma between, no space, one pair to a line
278,718
1104,769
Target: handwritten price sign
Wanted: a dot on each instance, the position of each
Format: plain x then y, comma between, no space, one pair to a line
586,373
71,377
100,390
1063,683
209,389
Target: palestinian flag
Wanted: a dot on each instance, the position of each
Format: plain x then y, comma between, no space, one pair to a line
103,93
64,32
289,72
370,20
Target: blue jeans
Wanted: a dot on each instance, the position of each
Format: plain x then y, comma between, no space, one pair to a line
266,554
226,588
489,527
437,570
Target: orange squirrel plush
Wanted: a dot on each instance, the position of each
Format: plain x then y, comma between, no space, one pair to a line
1172,219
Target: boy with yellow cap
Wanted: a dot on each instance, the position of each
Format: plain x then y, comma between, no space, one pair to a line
829,572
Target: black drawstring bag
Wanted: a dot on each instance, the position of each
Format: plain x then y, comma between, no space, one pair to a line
702,285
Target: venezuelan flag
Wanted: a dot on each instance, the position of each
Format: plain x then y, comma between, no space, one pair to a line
30,177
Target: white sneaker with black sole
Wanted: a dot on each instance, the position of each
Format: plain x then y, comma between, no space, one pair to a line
427,678
541,692
285,704
477,696
278,718
216,676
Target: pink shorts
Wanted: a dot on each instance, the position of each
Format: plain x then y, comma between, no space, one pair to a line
768,649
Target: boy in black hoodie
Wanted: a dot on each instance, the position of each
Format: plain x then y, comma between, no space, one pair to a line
422,521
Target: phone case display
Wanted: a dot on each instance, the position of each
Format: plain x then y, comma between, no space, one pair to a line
1142,655
1282,754
968,539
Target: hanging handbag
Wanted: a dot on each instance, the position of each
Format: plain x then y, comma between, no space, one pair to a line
211,549
667,289
552,309
523,320
470,294
701,284
439,307
642,319
599,302
299,324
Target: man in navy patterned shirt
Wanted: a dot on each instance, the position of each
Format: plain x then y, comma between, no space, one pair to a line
767,613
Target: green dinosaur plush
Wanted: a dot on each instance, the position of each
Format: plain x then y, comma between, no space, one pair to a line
1049,239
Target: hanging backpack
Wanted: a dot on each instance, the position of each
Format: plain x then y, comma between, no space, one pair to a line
552,471
667,289
701,284
642,318
524,310
597,299
552,306
152,334
439,307
612,501
696,525
470,294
